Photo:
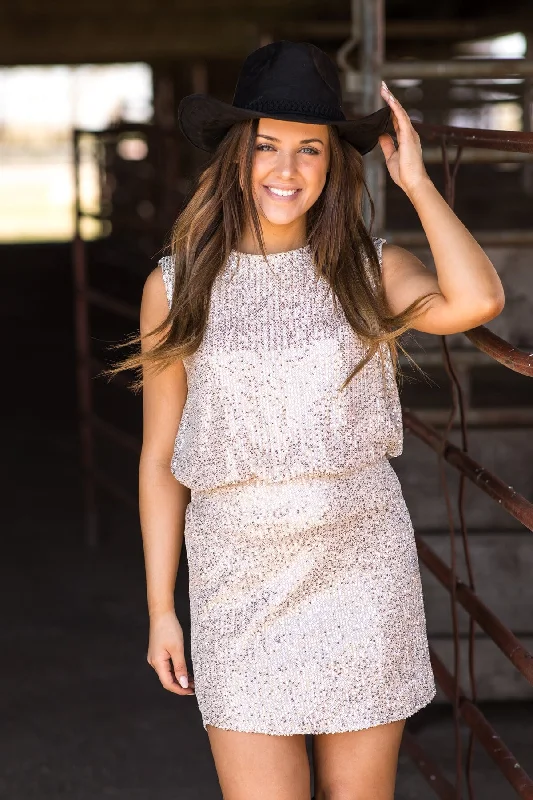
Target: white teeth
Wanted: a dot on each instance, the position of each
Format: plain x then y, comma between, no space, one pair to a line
282,192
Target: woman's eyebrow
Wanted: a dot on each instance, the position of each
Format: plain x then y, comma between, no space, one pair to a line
302,141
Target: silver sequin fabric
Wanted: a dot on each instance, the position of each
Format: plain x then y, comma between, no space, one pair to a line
307,613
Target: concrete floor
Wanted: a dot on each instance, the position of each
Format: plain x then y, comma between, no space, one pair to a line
83,716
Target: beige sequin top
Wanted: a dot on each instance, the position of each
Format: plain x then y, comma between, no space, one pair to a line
264,400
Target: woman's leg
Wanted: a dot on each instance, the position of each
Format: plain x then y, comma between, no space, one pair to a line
359,765
258,766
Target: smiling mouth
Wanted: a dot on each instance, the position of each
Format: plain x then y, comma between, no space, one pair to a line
281,194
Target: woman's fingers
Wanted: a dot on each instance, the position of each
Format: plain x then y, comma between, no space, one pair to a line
172,672
400,117
180,674
406,166
166,654
387,145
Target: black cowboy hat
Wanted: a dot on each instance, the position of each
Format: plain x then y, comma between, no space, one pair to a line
293,81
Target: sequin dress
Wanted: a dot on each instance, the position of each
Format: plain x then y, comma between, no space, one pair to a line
305,593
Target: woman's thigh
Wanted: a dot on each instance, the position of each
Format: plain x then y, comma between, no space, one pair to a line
259,766
359,765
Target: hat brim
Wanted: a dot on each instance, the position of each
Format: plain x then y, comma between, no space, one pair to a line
204,121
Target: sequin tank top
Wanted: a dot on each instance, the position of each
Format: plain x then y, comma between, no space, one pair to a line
264,400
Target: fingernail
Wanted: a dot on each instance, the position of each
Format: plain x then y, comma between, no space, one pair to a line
183,681
391,96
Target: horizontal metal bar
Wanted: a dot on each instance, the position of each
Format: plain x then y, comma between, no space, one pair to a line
127,127
509,238
429,769
484,732
459,68
486,619
510,141
464,357
123,221
473,155
436,29
108,303
122,438
480,417
501,351
513,502
113,488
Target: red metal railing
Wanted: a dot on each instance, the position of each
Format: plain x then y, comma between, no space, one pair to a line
519,507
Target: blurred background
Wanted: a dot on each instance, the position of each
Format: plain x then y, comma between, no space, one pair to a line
93,171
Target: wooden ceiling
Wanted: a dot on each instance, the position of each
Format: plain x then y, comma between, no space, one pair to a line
96,31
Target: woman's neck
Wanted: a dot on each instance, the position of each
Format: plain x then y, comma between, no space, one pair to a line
277,238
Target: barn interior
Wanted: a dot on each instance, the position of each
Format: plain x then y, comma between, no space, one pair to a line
84,717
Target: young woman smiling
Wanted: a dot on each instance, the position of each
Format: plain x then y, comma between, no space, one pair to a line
270,414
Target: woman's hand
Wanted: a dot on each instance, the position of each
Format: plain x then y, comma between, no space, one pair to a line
405,164
166,656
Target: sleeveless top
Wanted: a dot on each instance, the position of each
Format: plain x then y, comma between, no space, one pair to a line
264,400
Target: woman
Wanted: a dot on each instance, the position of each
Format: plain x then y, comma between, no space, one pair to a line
270,414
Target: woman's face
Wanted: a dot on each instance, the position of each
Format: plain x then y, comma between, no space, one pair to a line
289,170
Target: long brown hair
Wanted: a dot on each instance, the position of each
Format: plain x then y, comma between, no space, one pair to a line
211,224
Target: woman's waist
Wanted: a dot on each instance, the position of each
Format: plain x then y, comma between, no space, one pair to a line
302,502
295,481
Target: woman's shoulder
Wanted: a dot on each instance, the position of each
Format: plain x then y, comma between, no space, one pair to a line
154,303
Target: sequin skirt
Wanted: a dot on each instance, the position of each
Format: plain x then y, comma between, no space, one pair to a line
306,605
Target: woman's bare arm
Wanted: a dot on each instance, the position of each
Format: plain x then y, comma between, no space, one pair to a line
468,289
162,499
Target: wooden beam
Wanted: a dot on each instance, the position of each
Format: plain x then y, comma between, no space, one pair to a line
170,9
35,33
415,29
85,41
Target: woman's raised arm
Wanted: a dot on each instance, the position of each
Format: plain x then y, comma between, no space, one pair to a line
468,291
162,499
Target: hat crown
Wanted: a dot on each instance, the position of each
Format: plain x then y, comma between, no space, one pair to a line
292,77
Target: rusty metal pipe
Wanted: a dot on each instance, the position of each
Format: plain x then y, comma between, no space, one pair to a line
83,357
125,440
428,768
517,505
484,733
108,303
486,619
510,141
501,351
117,491
433,155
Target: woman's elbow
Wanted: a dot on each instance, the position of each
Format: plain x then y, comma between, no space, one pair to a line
492,306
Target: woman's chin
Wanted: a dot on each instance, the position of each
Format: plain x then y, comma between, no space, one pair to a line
278,216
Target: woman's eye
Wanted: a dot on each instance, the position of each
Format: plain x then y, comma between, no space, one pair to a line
265,148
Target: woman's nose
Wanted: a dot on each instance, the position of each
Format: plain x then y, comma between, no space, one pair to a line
286,164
